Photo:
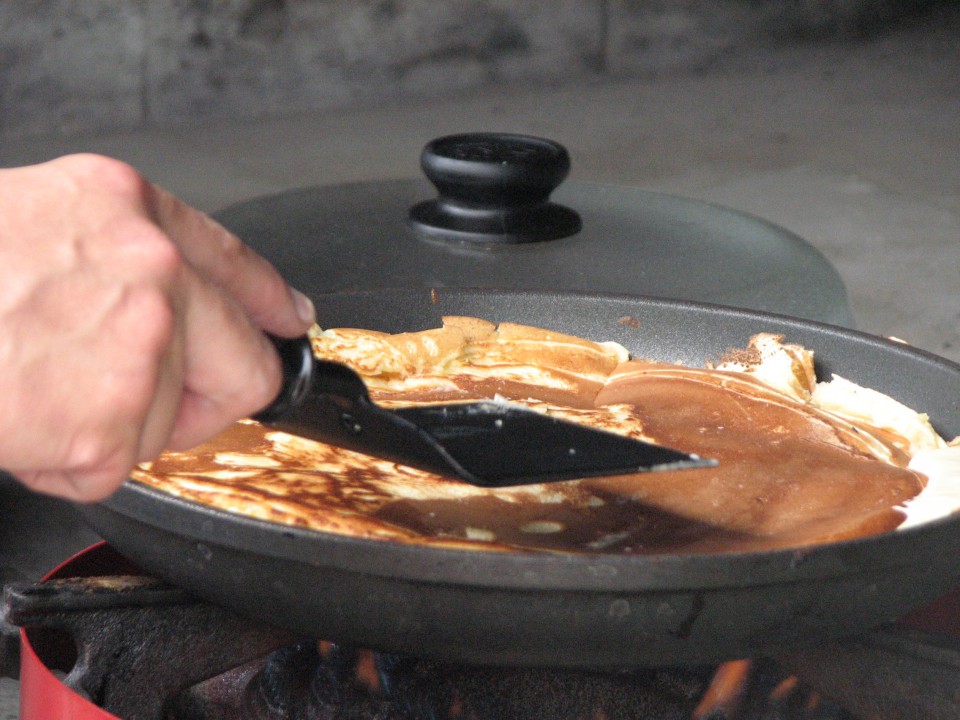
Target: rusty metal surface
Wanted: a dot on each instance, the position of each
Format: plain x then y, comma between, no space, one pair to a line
131,632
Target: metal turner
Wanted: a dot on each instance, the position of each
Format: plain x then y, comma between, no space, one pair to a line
488,443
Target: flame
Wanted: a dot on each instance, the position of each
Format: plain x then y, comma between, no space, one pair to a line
783,689
725,691
366,673
730,683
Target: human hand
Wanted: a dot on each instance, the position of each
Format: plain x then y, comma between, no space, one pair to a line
130,323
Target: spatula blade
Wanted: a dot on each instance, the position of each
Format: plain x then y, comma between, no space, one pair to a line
499,445
489,444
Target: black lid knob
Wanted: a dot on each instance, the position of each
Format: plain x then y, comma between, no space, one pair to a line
494,188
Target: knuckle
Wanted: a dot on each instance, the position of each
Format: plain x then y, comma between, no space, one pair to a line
150,322
159,253
246,387
234,257
265,382
232,247
92,453
144,248
119,176
128,403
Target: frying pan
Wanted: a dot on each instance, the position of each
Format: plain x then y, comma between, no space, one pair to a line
564,610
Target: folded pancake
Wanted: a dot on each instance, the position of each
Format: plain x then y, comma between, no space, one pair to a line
800,462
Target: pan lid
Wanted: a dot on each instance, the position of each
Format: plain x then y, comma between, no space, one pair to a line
495,217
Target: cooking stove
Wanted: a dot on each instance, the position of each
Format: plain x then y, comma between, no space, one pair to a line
105,640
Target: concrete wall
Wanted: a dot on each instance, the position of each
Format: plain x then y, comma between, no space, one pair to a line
73,65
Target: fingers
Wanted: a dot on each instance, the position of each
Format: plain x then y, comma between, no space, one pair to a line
129,323
82,488
230,368
226,261
81,397
95,399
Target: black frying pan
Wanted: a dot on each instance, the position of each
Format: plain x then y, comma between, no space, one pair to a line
526,608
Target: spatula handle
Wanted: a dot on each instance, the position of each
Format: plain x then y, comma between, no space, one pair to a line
305,374
329,402
297,362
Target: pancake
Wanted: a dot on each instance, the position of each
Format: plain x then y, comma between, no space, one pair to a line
800,461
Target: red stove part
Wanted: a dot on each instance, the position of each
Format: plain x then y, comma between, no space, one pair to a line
42,695
129,642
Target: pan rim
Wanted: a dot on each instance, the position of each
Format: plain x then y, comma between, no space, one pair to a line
926,542
204,526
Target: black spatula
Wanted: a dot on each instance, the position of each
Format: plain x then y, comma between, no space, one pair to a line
489,443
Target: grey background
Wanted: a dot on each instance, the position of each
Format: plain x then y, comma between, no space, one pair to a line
73,65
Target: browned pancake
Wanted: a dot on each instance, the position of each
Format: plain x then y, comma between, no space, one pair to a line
790,473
